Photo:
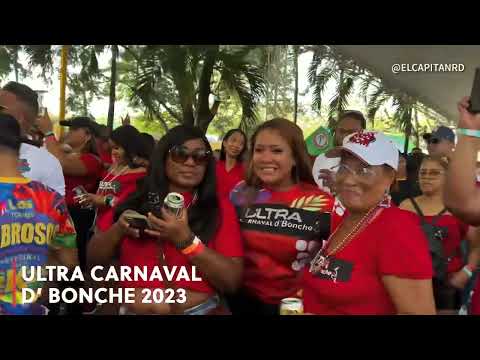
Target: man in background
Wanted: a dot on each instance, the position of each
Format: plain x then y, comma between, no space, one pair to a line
441,142
35,163
349,121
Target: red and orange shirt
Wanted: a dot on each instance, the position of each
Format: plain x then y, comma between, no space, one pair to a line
280,230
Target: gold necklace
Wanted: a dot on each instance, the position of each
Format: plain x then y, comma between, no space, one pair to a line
321,261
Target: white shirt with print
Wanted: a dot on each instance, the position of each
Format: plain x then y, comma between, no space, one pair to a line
38,164
322,162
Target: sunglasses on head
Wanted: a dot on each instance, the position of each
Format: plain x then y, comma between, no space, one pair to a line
180,154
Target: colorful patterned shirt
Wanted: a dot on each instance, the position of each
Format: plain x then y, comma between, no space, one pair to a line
33,219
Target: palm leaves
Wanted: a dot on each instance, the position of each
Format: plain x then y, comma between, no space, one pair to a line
328,66
189,73
244,80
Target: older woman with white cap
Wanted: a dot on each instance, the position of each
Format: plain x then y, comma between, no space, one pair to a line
377,260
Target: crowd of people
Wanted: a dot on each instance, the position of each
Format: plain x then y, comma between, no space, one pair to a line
362,230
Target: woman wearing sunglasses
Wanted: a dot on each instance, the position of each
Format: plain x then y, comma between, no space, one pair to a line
450,232
283,217
205,235
230,170
376,261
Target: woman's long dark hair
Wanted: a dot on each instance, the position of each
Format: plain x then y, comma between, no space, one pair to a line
240,156
128,138
203,216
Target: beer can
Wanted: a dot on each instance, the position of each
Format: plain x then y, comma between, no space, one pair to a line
174,203
291,306
79,190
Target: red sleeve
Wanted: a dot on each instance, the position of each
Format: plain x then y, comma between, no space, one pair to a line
92,163
228,240
403,248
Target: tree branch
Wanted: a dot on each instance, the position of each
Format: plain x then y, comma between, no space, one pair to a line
170,111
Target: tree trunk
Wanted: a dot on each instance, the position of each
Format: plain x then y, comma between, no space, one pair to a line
417,132
408,129
205,115
113,85
295,95
84,103
340,86
275,103
15,63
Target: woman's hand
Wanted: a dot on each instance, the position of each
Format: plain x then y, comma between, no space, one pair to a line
459,279
176,230
125,227
91,199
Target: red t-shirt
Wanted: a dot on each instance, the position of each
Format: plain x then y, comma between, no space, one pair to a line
457,231
392,244
118,186
280,230
145,252
226,180
89,182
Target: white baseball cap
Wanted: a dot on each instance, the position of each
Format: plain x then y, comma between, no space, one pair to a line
372,147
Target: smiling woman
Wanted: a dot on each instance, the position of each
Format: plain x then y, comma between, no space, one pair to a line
205,236
283,217
376,261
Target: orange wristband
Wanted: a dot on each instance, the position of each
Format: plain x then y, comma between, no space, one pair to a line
194,249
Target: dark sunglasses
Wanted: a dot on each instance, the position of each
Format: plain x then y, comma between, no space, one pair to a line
180,154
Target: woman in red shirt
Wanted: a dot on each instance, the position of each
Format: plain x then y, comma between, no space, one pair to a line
430,207
283,217
377,260
206,235
81,167
121,178
229,167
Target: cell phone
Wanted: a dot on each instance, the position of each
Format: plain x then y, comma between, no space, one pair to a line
474,107
137,222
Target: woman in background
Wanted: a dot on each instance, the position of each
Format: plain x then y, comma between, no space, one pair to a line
121,178
81,167
430,208
230,169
